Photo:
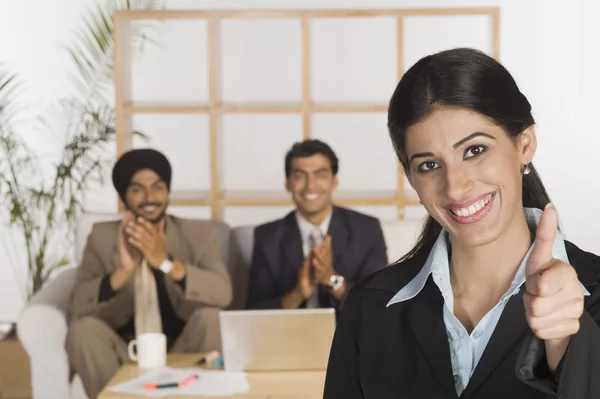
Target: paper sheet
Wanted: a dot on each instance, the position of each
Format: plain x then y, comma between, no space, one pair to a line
209,383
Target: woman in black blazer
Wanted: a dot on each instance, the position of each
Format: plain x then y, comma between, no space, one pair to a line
491,302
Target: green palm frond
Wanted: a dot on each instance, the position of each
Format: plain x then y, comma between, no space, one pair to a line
9,88
93,46
44,206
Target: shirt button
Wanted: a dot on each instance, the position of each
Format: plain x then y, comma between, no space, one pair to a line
477,334
456,378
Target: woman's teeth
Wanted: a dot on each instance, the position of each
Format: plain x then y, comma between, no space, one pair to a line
473,208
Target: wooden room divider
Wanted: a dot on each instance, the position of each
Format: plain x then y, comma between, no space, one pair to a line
216,198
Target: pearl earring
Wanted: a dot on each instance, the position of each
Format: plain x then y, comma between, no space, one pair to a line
526,170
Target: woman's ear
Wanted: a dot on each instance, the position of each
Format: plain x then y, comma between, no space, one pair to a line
527,145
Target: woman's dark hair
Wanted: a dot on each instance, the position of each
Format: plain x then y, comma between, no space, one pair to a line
464,78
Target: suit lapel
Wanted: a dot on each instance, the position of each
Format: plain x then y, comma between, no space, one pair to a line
340,237
425,318
508,332
173,238
291,246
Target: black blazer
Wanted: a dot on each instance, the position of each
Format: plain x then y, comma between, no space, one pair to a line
402,351
358,248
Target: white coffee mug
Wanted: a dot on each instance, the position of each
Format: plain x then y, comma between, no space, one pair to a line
149,350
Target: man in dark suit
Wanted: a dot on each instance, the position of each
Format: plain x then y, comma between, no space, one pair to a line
311,257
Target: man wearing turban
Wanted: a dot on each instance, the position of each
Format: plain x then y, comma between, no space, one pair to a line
148,273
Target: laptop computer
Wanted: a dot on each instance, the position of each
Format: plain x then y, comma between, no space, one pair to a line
267,340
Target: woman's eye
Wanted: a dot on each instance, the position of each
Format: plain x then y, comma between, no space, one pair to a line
427,166
474,150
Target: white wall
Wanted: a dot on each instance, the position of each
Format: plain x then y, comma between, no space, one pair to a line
581,142
549,46
32,34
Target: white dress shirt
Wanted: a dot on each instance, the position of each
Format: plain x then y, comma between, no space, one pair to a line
318,232
306,228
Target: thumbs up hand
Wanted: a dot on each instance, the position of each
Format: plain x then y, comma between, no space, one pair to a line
554,298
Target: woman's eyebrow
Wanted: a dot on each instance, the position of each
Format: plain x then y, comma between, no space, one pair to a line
470,137
456,145
421,155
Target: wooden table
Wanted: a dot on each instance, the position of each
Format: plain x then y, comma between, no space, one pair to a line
263,385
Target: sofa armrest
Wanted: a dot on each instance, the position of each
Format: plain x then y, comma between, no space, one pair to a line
57,291
42,329
47,309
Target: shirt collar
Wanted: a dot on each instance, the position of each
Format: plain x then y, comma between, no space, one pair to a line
307,227
438,266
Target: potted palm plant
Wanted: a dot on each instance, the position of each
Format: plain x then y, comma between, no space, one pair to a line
41,204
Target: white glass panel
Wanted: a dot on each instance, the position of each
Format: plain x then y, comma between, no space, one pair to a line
261,61
253,150
353,60
184,141
362,144
175,69
409,191
428,35
415,212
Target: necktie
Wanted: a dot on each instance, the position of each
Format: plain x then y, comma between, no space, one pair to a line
146,308
315,238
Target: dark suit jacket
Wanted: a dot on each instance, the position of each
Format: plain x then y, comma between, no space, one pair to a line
402,351
358,248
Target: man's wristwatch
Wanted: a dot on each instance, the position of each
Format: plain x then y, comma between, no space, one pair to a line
335,282
167,265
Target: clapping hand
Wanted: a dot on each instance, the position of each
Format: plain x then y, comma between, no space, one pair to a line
129,256
149,239
322,261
